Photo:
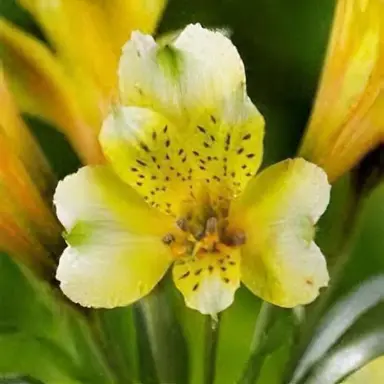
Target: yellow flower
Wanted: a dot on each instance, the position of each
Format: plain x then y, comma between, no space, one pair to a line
72,86
348,116
179,188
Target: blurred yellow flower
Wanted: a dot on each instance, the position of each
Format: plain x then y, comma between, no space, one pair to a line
347,120
26,182
179,188
71,84
372,373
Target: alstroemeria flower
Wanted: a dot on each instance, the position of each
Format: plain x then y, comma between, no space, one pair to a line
347,120
180,189
71,83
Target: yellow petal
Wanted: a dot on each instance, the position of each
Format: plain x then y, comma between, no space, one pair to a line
115,253
190,76
145,150
77,31
128,16
23,144
342,128
280,261
42,88
208,282
170,164
104,26
26,222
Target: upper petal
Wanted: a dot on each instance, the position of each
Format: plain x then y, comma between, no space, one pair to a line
188,76
115,254
280,261
169,164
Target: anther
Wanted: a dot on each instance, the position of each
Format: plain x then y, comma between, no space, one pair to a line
168,239
238,238
211,226
182,223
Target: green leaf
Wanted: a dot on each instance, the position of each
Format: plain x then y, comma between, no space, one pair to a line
36,357
118,337
361,344
162,347
15,379
37,325
337,321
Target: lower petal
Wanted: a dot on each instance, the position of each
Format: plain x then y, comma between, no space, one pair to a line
116,270
208,282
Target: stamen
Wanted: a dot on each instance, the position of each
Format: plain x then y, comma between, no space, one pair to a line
168,239
238,238
211,226
182,223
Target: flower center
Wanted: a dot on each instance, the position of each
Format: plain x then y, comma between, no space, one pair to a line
203,233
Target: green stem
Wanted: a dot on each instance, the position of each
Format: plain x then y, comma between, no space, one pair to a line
255,360
93,341
107,347
212,326
162,347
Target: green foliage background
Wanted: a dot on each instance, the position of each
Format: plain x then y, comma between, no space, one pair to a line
282,44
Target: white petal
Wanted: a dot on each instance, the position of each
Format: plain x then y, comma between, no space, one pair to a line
280,261
191,75
115,254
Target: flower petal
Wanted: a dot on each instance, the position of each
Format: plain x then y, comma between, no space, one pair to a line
198,83
115,254
187,77
280,261
169,165
343,126
42,88
208,283
145,150
62,20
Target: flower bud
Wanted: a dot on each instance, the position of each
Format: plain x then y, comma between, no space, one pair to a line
347,119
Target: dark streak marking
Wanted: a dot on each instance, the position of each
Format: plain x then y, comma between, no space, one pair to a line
186,274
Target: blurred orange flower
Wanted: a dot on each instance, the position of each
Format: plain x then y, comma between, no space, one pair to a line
26,221
348,116
71,83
